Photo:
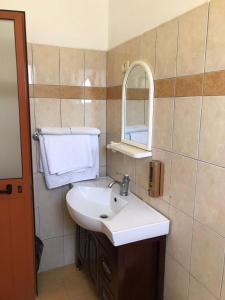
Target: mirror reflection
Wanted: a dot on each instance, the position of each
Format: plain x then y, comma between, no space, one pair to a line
136,119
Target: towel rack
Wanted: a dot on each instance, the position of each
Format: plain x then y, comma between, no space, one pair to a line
36,134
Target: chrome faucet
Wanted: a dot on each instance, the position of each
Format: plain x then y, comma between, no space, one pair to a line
124,185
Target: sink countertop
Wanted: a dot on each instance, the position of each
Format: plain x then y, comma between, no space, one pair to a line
134,222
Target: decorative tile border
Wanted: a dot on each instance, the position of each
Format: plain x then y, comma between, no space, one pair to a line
67,92
189,86
214,84
207,84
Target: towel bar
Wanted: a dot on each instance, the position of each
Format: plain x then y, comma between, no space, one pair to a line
36,134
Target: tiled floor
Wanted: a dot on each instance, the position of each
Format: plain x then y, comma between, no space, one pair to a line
65,283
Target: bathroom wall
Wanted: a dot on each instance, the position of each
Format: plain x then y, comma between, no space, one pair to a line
187,57
128,19
67,88
67,23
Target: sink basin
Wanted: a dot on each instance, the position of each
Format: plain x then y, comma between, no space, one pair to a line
89,205
124,219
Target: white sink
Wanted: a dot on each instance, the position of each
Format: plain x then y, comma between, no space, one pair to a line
124,219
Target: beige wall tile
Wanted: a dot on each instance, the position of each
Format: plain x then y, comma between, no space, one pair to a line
45,64
142,172
95,68
166,50
117,56
223,286
102,171
68,223
69,249
114,164
192,43
71,66
183,181
210,197
212,142
180,237
187,116
52,254
102,149
51,210
148,48
163,123
207,258
95,114
176,281
215,59
198,291
72,112
129,167
114,115
114,71
30,63
157,203
47,112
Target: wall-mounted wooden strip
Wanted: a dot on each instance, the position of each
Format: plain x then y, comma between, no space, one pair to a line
214,84
72,92
46,91
188,86
165,88
114,92
95,93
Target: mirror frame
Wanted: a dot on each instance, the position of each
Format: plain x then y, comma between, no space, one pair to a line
148,71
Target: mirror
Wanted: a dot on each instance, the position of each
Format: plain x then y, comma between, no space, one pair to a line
137,112
10,148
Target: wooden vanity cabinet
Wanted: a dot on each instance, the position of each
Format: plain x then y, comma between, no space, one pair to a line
128,272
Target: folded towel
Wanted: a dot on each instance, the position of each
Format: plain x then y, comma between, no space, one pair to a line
65,153
68,155
69,130
85,130
54,180
55,130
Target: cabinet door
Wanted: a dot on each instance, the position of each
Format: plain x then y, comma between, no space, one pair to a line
104,292
82,237
93,257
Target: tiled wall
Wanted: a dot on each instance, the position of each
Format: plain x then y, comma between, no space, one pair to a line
67,88
187,56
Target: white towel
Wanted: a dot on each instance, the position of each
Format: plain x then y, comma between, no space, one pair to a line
54,180
65,153
55,130
85,130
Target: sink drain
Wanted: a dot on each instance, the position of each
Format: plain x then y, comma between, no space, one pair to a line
103,216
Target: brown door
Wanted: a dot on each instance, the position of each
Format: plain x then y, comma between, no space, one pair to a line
17,266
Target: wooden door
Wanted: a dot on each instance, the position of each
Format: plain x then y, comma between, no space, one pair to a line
17,264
